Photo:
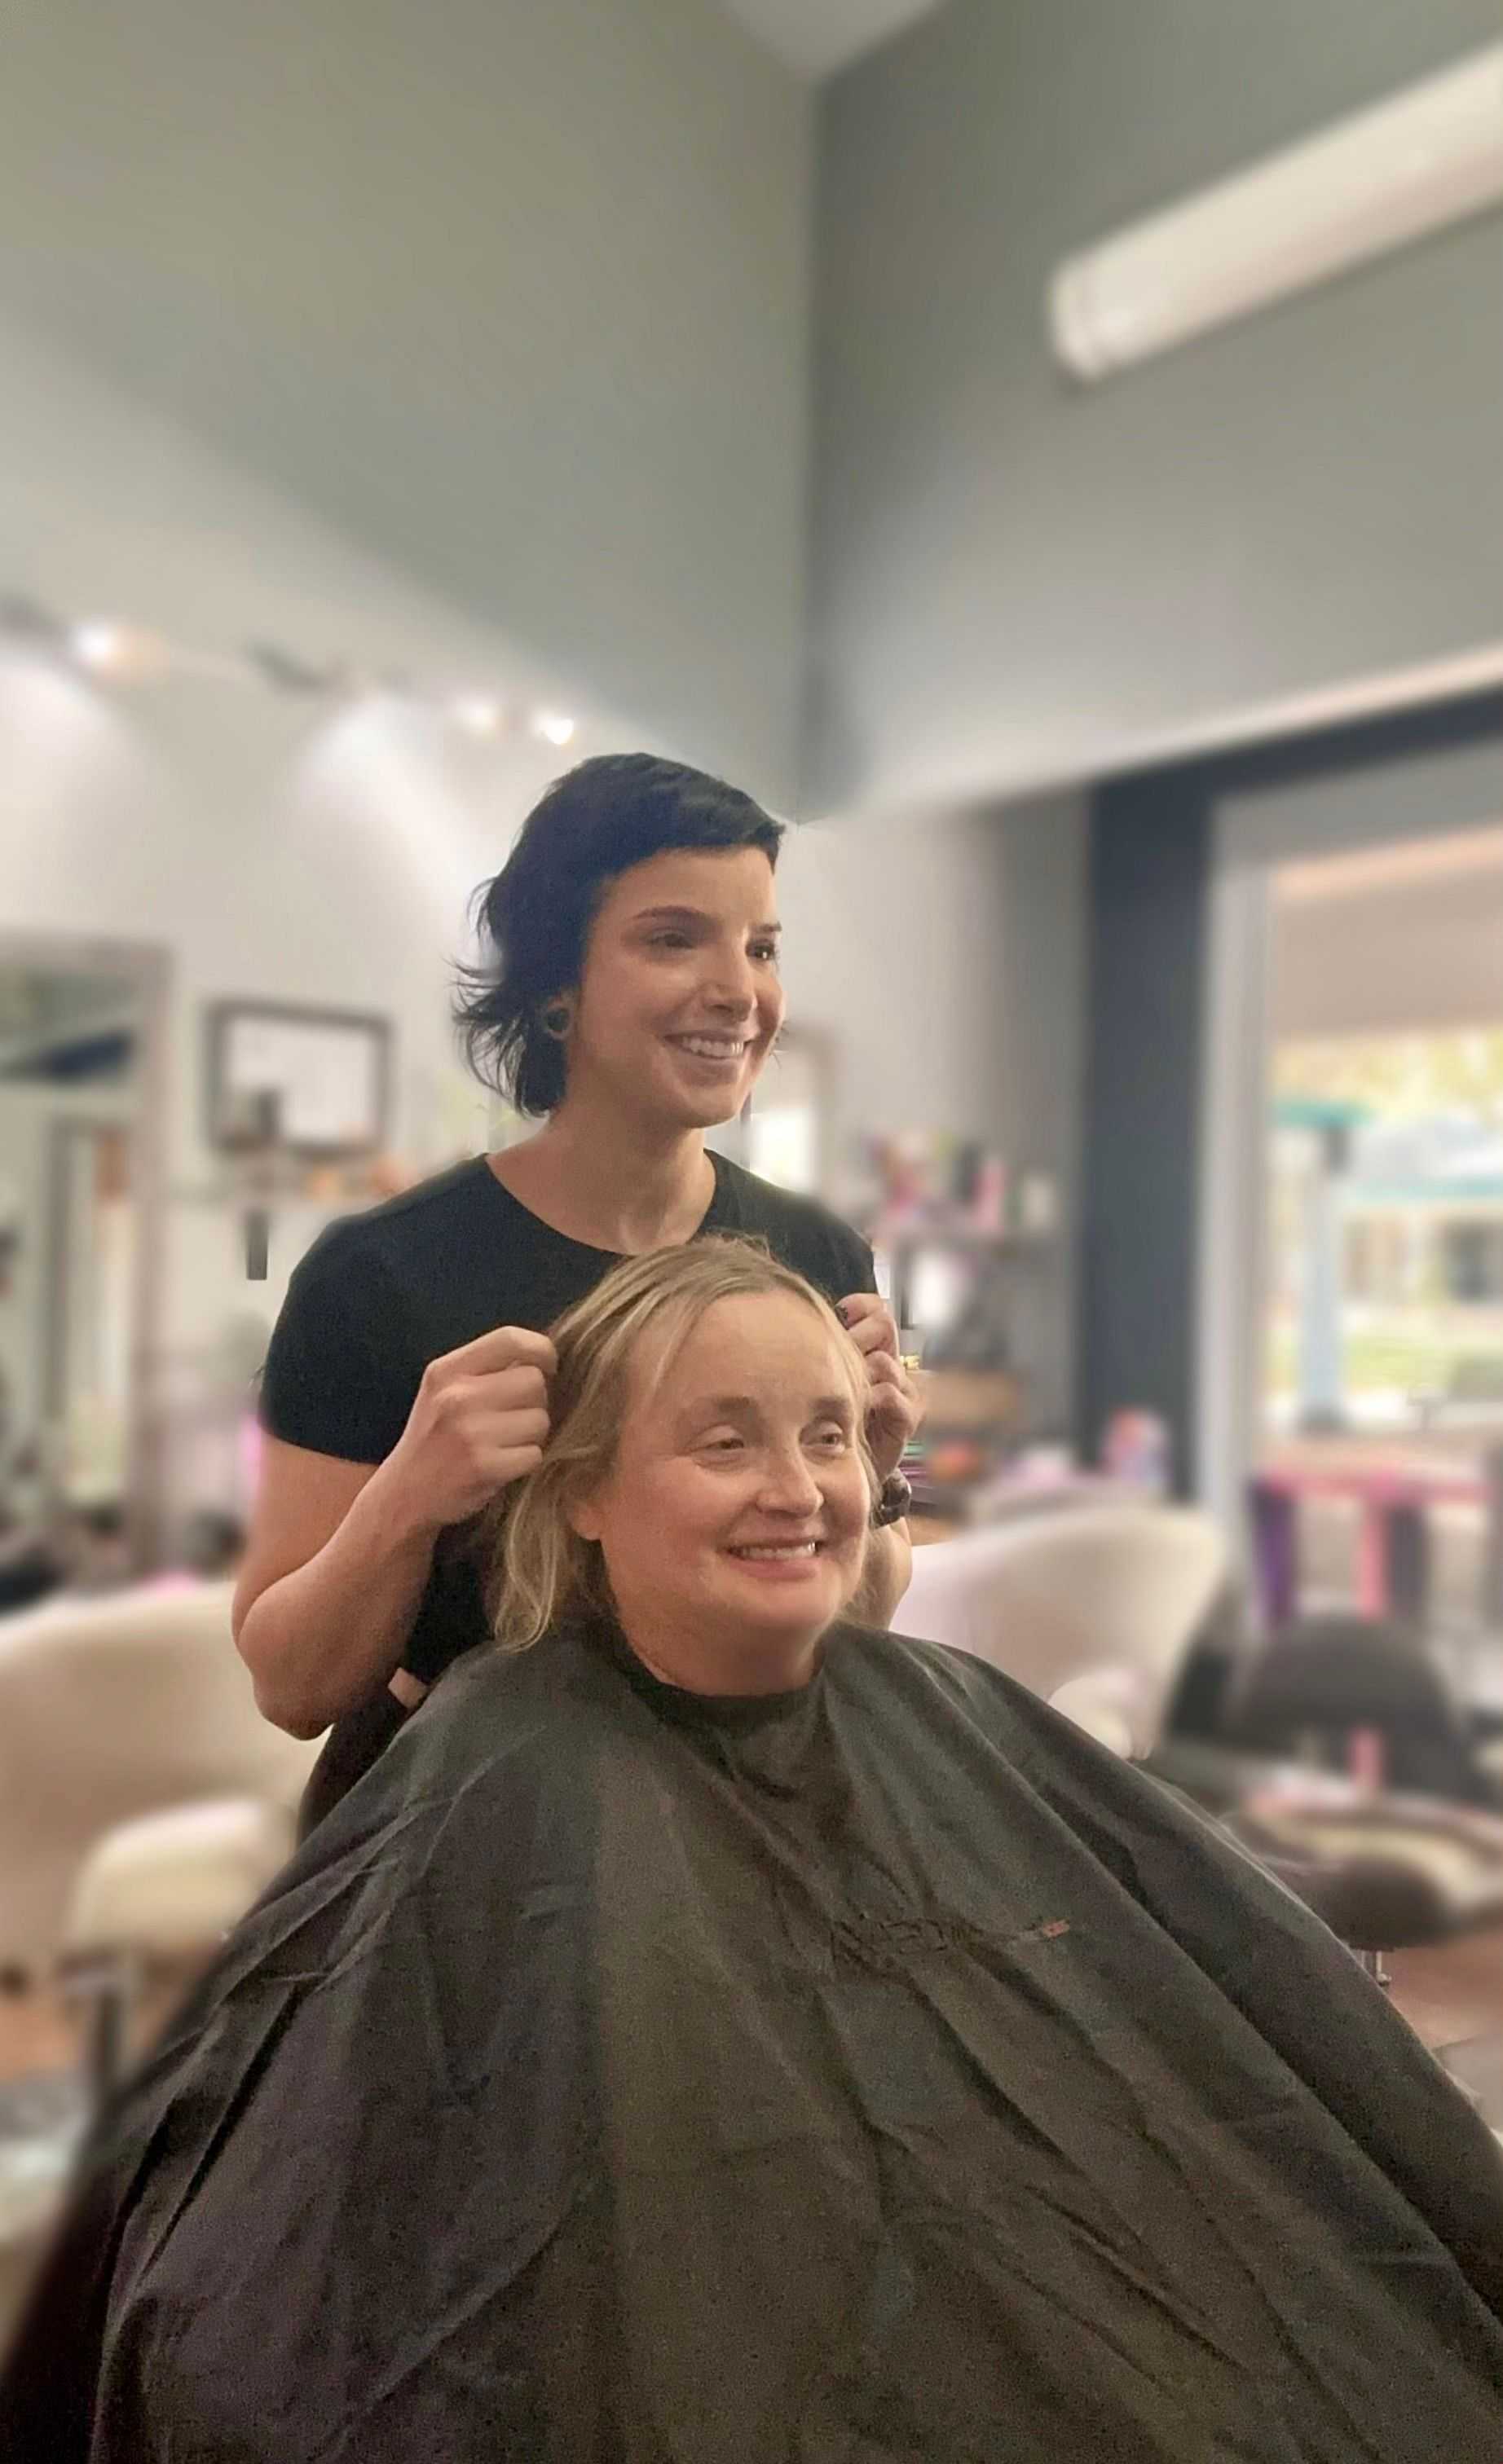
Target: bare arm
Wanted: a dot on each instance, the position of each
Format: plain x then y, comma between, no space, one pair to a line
331,1583
340,1552
894,1410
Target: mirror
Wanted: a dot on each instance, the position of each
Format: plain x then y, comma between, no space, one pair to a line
81,1045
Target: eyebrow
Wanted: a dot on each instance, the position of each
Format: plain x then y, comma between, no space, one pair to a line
730,1407
691,915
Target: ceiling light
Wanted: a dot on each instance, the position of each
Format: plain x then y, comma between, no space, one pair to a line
552,726
478,714
1425,158
120,652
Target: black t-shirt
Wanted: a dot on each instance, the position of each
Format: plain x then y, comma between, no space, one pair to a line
380,1295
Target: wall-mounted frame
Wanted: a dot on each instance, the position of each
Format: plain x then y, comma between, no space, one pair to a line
316,1083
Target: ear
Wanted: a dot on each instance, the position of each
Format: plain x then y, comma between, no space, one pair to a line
582,1518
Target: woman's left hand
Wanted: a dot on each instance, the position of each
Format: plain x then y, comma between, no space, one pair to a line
894,1409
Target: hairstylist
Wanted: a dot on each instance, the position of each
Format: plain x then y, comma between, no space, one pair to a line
630,997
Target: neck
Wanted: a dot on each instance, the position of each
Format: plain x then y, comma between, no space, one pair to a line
613,1183
722,1664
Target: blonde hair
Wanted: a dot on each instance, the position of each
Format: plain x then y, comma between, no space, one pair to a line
539,1568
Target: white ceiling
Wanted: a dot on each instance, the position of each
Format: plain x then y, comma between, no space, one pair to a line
815,37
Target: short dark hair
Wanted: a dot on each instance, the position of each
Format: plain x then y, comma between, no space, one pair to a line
592,824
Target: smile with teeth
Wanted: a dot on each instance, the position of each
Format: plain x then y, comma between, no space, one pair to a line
712,1047
778,1551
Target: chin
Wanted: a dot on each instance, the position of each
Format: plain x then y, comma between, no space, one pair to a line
689,1109
718,1113
786,1614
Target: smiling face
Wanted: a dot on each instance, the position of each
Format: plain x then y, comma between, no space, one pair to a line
733,1519
679,1002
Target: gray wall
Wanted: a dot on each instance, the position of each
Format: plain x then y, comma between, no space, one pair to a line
1013,577
511,294
944,954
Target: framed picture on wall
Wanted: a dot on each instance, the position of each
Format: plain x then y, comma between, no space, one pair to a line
316,1083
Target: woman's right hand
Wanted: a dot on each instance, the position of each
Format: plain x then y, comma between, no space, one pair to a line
480,1420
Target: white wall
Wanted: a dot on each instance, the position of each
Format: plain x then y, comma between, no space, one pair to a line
511,294
270,856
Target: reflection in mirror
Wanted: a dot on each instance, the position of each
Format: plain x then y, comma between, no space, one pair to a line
76,1049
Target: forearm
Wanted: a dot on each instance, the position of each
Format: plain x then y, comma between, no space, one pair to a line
326,1636
885,1577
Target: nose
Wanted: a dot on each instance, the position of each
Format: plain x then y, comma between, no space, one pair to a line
790,1487
731,988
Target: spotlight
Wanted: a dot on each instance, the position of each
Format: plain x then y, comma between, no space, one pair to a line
119,652
478,714
97,646
552,726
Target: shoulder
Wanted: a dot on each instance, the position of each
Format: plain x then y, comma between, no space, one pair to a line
357,1324
798,1230
506,1731
386,1244
932,1688
872,1658
411,1219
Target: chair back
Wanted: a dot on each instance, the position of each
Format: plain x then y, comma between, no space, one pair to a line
1095,1609
112,1707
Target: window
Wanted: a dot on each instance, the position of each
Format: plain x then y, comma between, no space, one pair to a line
1473,1254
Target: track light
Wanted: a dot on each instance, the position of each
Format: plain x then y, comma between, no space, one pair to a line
121,653
478,714
288,674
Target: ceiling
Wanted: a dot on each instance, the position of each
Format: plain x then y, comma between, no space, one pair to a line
1389,867
1404,939
816,37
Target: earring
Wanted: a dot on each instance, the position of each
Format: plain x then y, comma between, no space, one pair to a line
557,1019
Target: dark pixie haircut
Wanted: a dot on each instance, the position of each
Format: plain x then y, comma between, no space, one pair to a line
592,825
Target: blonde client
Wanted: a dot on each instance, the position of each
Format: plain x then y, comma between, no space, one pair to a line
718,2033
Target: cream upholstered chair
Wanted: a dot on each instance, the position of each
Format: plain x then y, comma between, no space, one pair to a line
1093,1609
144,1804
131,1705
